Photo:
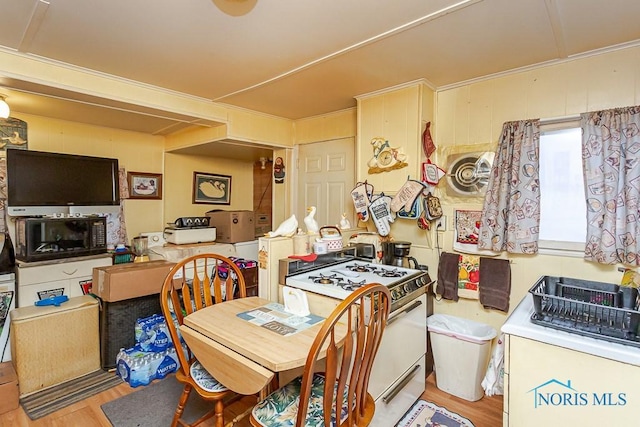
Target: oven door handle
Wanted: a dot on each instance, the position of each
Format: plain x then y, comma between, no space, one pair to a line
394,392
407,309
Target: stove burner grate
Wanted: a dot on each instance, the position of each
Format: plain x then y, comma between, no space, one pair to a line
325,279
383,272
350,285
361,268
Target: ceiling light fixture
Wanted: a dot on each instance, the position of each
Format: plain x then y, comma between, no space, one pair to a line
235,7
4,108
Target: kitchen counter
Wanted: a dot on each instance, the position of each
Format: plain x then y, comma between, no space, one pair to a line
519,324
557,378
176,253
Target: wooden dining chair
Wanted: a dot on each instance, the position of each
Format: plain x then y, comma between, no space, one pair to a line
192,284
337,397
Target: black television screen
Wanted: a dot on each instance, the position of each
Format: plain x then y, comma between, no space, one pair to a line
43,183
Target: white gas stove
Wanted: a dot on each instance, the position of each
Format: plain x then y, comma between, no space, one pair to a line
398,377
339,280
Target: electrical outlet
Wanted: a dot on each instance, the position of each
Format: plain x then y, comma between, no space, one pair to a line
441,223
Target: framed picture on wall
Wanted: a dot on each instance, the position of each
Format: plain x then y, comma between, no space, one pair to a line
145,185
211,188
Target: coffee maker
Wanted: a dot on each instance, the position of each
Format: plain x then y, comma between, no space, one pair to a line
397,253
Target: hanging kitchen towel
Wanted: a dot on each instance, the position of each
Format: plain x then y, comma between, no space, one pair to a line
448,276
428,146
468,276
495,283
493,382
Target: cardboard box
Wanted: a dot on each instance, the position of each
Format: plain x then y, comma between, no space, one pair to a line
125,281
263,224
9,392
232,226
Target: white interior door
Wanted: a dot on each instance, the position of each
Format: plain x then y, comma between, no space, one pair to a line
326,176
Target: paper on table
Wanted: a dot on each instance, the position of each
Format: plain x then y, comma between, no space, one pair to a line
275,318
295,301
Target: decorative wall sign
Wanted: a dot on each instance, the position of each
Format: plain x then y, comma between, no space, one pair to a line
145,185
211,189
385,157
13,133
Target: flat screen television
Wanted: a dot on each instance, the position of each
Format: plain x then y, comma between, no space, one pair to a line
43,183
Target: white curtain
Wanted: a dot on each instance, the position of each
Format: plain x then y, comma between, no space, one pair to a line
611,161
511,213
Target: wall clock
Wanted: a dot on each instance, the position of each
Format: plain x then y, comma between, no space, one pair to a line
385,157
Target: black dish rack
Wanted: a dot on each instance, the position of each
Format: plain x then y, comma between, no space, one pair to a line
599,310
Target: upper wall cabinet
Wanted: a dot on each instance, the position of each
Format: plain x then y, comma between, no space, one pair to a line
390,125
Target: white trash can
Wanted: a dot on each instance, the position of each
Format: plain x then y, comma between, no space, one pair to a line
461,352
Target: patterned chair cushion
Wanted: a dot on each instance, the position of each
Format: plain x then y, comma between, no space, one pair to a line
280,408
204,379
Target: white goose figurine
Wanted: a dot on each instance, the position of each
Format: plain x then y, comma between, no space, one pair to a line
310,221
287,228
344,222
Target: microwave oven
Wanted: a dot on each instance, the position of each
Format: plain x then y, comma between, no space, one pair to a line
39,239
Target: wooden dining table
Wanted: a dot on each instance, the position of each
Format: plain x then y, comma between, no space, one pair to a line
242,354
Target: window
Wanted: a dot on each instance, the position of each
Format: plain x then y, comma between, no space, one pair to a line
563,222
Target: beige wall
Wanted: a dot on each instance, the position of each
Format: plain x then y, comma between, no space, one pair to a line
179,169
337,125
474,113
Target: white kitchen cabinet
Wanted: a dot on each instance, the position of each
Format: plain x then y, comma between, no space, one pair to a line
37,280
556,378
398,115
270,251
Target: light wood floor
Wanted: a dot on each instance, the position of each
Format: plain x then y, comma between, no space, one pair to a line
487,412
